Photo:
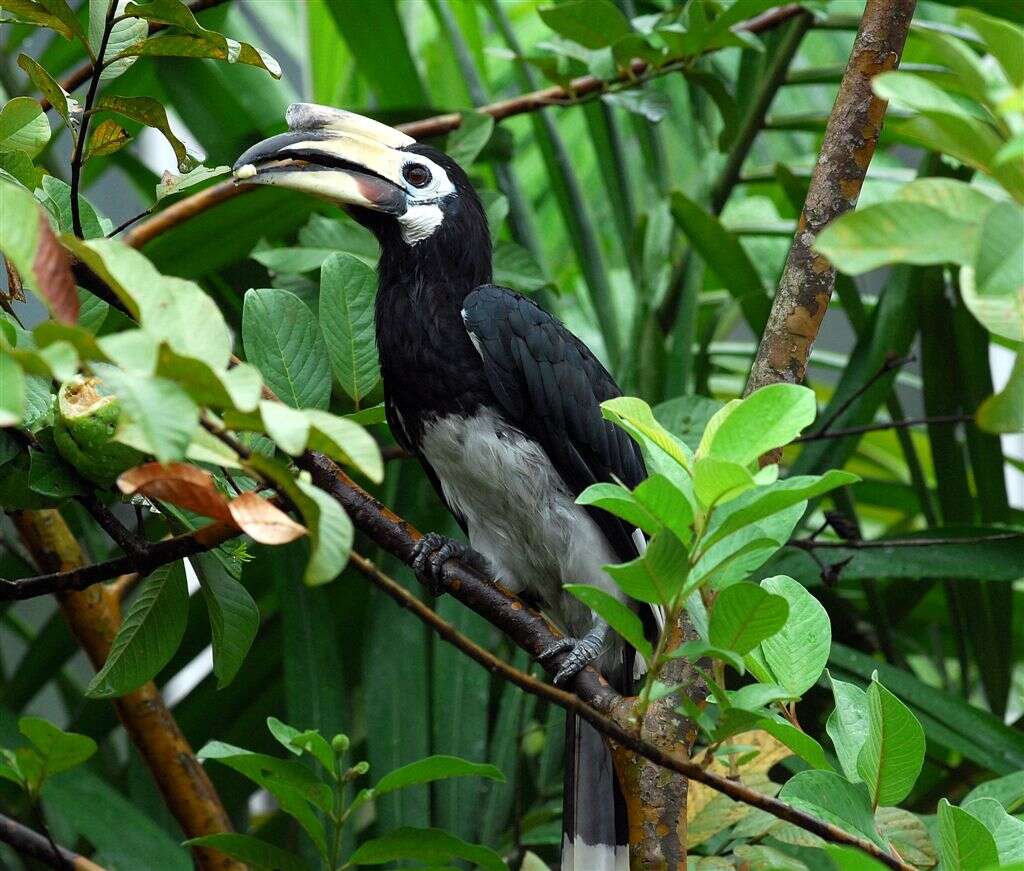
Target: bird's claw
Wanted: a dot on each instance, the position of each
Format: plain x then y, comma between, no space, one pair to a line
583,651
429,556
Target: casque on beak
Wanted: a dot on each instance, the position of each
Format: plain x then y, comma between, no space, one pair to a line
332,154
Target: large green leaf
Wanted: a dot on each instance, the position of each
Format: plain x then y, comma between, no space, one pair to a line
896,232
283,341
893,751
745,615
23,127
58,749
1004,40
426,845
964,842
348,288
151,632
434,768
833,798
848,724
1006,830
252,851
795,656
234,617
656,576
770,417
150,112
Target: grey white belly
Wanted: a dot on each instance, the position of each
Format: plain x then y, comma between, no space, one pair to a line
519,512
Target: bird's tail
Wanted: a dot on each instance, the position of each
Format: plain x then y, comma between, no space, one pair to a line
595,833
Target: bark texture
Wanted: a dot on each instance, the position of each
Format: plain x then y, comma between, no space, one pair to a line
94,615
850,139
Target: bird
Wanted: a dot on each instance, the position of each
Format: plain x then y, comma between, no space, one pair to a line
500,403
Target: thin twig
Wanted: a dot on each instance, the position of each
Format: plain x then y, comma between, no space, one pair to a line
906,423
613,728
28,842
866,544
891,363
580,88
124,225
156,555
78,155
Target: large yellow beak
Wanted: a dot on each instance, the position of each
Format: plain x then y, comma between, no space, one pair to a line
335,155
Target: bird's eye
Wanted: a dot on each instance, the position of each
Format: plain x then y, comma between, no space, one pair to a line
417,175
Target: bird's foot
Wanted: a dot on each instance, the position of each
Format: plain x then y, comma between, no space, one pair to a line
430,554
583,651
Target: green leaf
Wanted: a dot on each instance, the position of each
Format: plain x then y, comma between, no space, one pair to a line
769,500
834,799
797,653
150,634
1008,831
197,41
23,127
157,413
636,418
591,23
126,33
12,391
516,267
434,768
909,91
768,418
848,725
252,851
1008,791
716,480
723,253
58,749
697,649
330,535
999,263
615,613
107,137
61,10
32,12
956,198
468,139
656,576
171,184
893,752
1004,40
234,617
60,99
908,836
896,232
348,288
57,200
425,845
964,842
236,388
744,616
687,417
283,341
148,111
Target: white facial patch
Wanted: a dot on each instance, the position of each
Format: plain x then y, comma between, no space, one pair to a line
420,222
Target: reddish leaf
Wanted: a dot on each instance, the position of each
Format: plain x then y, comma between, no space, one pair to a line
52,269
264,522
180,484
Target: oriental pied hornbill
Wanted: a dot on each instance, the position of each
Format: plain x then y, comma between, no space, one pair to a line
497,399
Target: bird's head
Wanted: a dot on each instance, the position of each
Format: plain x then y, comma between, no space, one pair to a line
412,196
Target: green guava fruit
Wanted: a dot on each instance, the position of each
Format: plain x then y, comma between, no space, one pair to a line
84,432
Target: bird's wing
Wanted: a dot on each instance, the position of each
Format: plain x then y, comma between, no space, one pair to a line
551,387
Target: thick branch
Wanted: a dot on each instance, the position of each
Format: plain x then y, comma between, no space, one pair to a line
617,723
849,144
582,88
94,616
28,842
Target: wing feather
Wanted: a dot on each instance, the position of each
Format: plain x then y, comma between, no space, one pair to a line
551,386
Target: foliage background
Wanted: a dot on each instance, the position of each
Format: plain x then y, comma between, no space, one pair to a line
603,251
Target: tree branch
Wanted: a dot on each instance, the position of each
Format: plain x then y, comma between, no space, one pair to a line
617,723
28,842
906,423
810,544
849,144
94,616
79,576
580,89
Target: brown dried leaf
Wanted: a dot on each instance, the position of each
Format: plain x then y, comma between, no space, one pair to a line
262,521
54,280
15,290
180,484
